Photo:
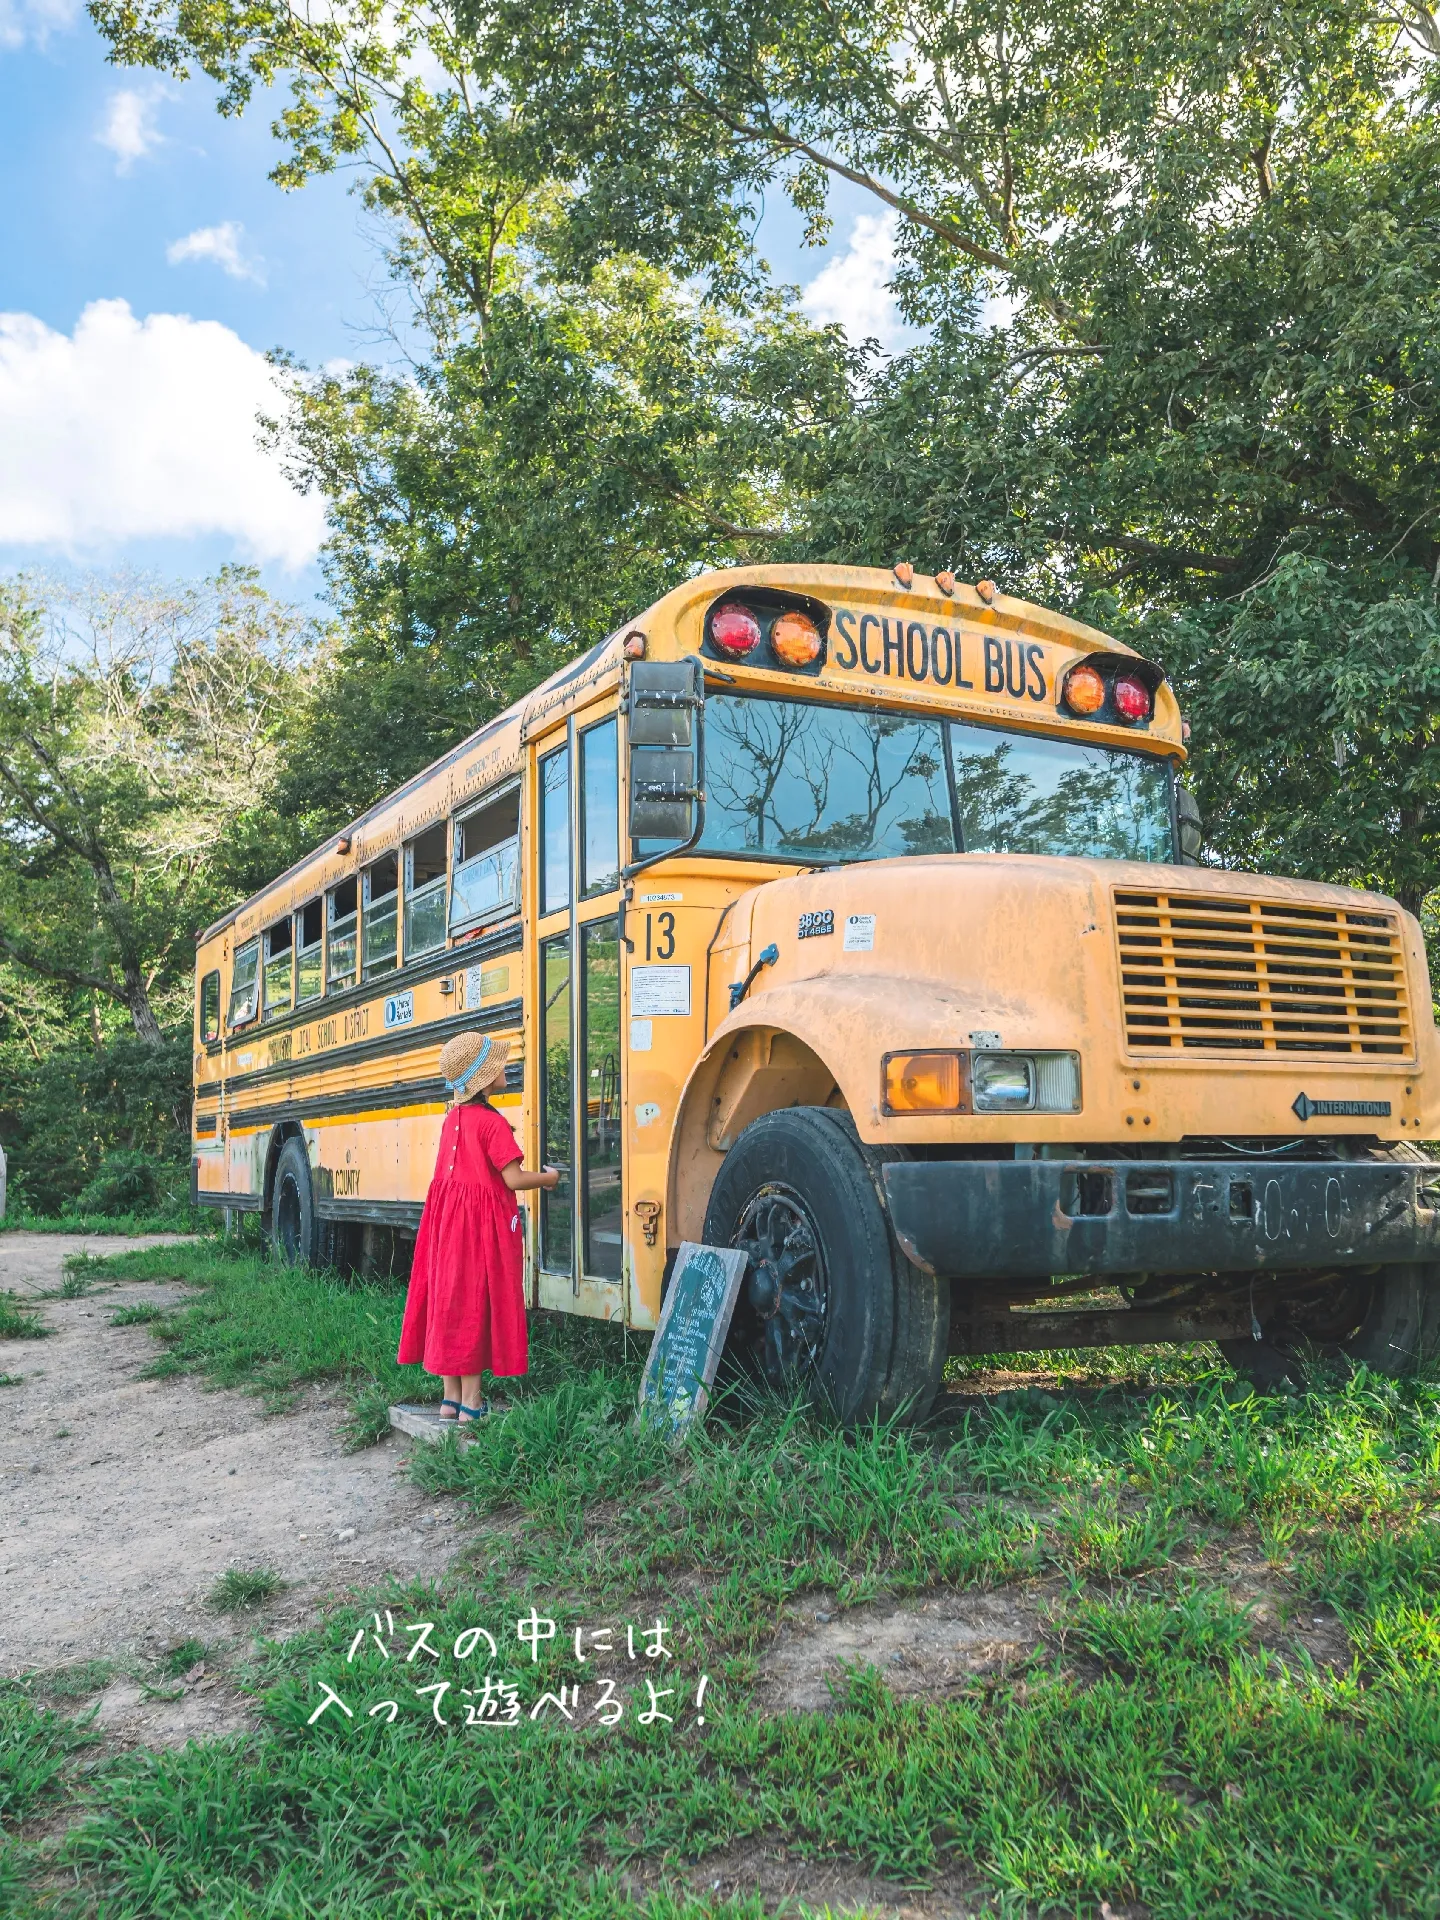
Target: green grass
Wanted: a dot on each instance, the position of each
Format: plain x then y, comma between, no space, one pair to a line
241,1587
19,1320
137,1316
11,1379
1172,1740
269,1328
200,1220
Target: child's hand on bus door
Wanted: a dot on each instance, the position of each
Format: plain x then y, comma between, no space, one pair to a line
549,1177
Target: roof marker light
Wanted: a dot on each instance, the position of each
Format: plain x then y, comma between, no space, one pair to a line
734,629
904,572
946,583
1132,698
1083,691
795,639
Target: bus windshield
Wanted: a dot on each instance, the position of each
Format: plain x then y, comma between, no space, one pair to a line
822,785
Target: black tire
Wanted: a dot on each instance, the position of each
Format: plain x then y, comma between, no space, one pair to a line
1389,1321
294,1224
829,1303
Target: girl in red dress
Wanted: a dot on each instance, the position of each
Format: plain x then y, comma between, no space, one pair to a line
465,1311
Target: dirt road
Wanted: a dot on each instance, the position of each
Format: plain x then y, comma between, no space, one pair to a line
123,1499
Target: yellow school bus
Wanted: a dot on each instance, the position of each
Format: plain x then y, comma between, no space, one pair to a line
851,918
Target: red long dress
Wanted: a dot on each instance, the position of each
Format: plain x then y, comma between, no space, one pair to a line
465,1311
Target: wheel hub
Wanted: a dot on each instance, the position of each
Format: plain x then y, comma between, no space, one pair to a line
786,1288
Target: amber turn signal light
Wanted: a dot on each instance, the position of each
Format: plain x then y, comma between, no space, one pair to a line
795,639
923,1083
1084,690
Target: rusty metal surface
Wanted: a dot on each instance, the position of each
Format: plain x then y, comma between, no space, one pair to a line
992,1219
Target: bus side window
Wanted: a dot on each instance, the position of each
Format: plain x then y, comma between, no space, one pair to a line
555,831
309,977
210,1007
382,915
279,968
425,893
487,861
340,902
600,810
245,985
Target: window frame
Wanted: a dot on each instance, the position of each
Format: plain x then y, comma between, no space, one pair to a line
265,960
504,909
368,908
585,890
208,1038
409,891
353,980
299,949
563,749
232,1025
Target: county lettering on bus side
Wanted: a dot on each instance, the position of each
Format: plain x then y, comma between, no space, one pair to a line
899,649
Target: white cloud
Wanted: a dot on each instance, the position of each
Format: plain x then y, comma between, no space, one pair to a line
135,429
222,246
853,287
129,129
35,20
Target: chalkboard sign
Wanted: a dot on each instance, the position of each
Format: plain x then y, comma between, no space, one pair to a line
704,1286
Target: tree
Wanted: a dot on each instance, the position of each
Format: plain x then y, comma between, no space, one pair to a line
517,500
139,732
1179,266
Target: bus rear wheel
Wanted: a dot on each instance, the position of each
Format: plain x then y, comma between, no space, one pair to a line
1387,1319
829,1305
294,1224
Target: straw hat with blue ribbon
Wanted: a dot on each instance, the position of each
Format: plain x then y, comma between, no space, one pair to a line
472,1063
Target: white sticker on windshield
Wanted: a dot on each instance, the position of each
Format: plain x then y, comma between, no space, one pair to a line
859,933
655,990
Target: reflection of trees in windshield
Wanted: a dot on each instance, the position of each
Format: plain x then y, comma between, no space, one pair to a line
811,782
1052,796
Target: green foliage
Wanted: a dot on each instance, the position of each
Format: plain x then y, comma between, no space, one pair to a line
19,1319
98,1130
138,731
179,1660
239,1588
35,1747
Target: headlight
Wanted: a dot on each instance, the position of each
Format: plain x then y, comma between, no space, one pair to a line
1003,1082
1026,1082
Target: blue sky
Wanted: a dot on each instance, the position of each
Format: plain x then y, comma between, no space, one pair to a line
146,265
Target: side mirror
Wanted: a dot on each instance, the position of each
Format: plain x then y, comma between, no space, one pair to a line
1187,814
664,715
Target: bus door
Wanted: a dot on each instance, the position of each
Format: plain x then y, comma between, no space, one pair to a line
576,847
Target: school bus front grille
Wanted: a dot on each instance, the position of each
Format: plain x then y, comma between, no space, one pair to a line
1260,976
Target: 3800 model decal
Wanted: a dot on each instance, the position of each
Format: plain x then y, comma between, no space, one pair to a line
911,650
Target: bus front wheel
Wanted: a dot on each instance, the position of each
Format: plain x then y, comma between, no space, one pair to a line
829,1304
294,1224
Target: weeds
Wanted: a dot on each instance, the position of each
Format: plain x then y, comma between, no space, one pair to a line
140,1315
11,1379
241,1587
19,1320
179,1660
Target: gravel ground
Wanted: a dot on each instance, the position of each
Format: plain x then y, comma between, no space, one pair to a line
123,1499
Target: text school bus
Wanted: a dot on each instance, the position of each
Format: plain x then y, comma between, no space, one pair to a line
845,917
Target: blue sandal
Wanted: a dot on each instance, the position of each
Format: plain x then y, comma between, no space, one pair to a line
448,1418
476,1414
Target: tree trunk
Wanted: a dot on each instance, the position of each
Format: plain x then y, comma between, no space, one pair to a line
141,1011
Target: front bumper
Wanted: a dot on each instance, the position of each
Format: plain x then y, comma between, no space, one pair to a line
1029,1219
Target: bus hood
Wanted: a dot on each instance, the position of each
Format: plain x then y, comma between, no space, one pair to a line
1199,1002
